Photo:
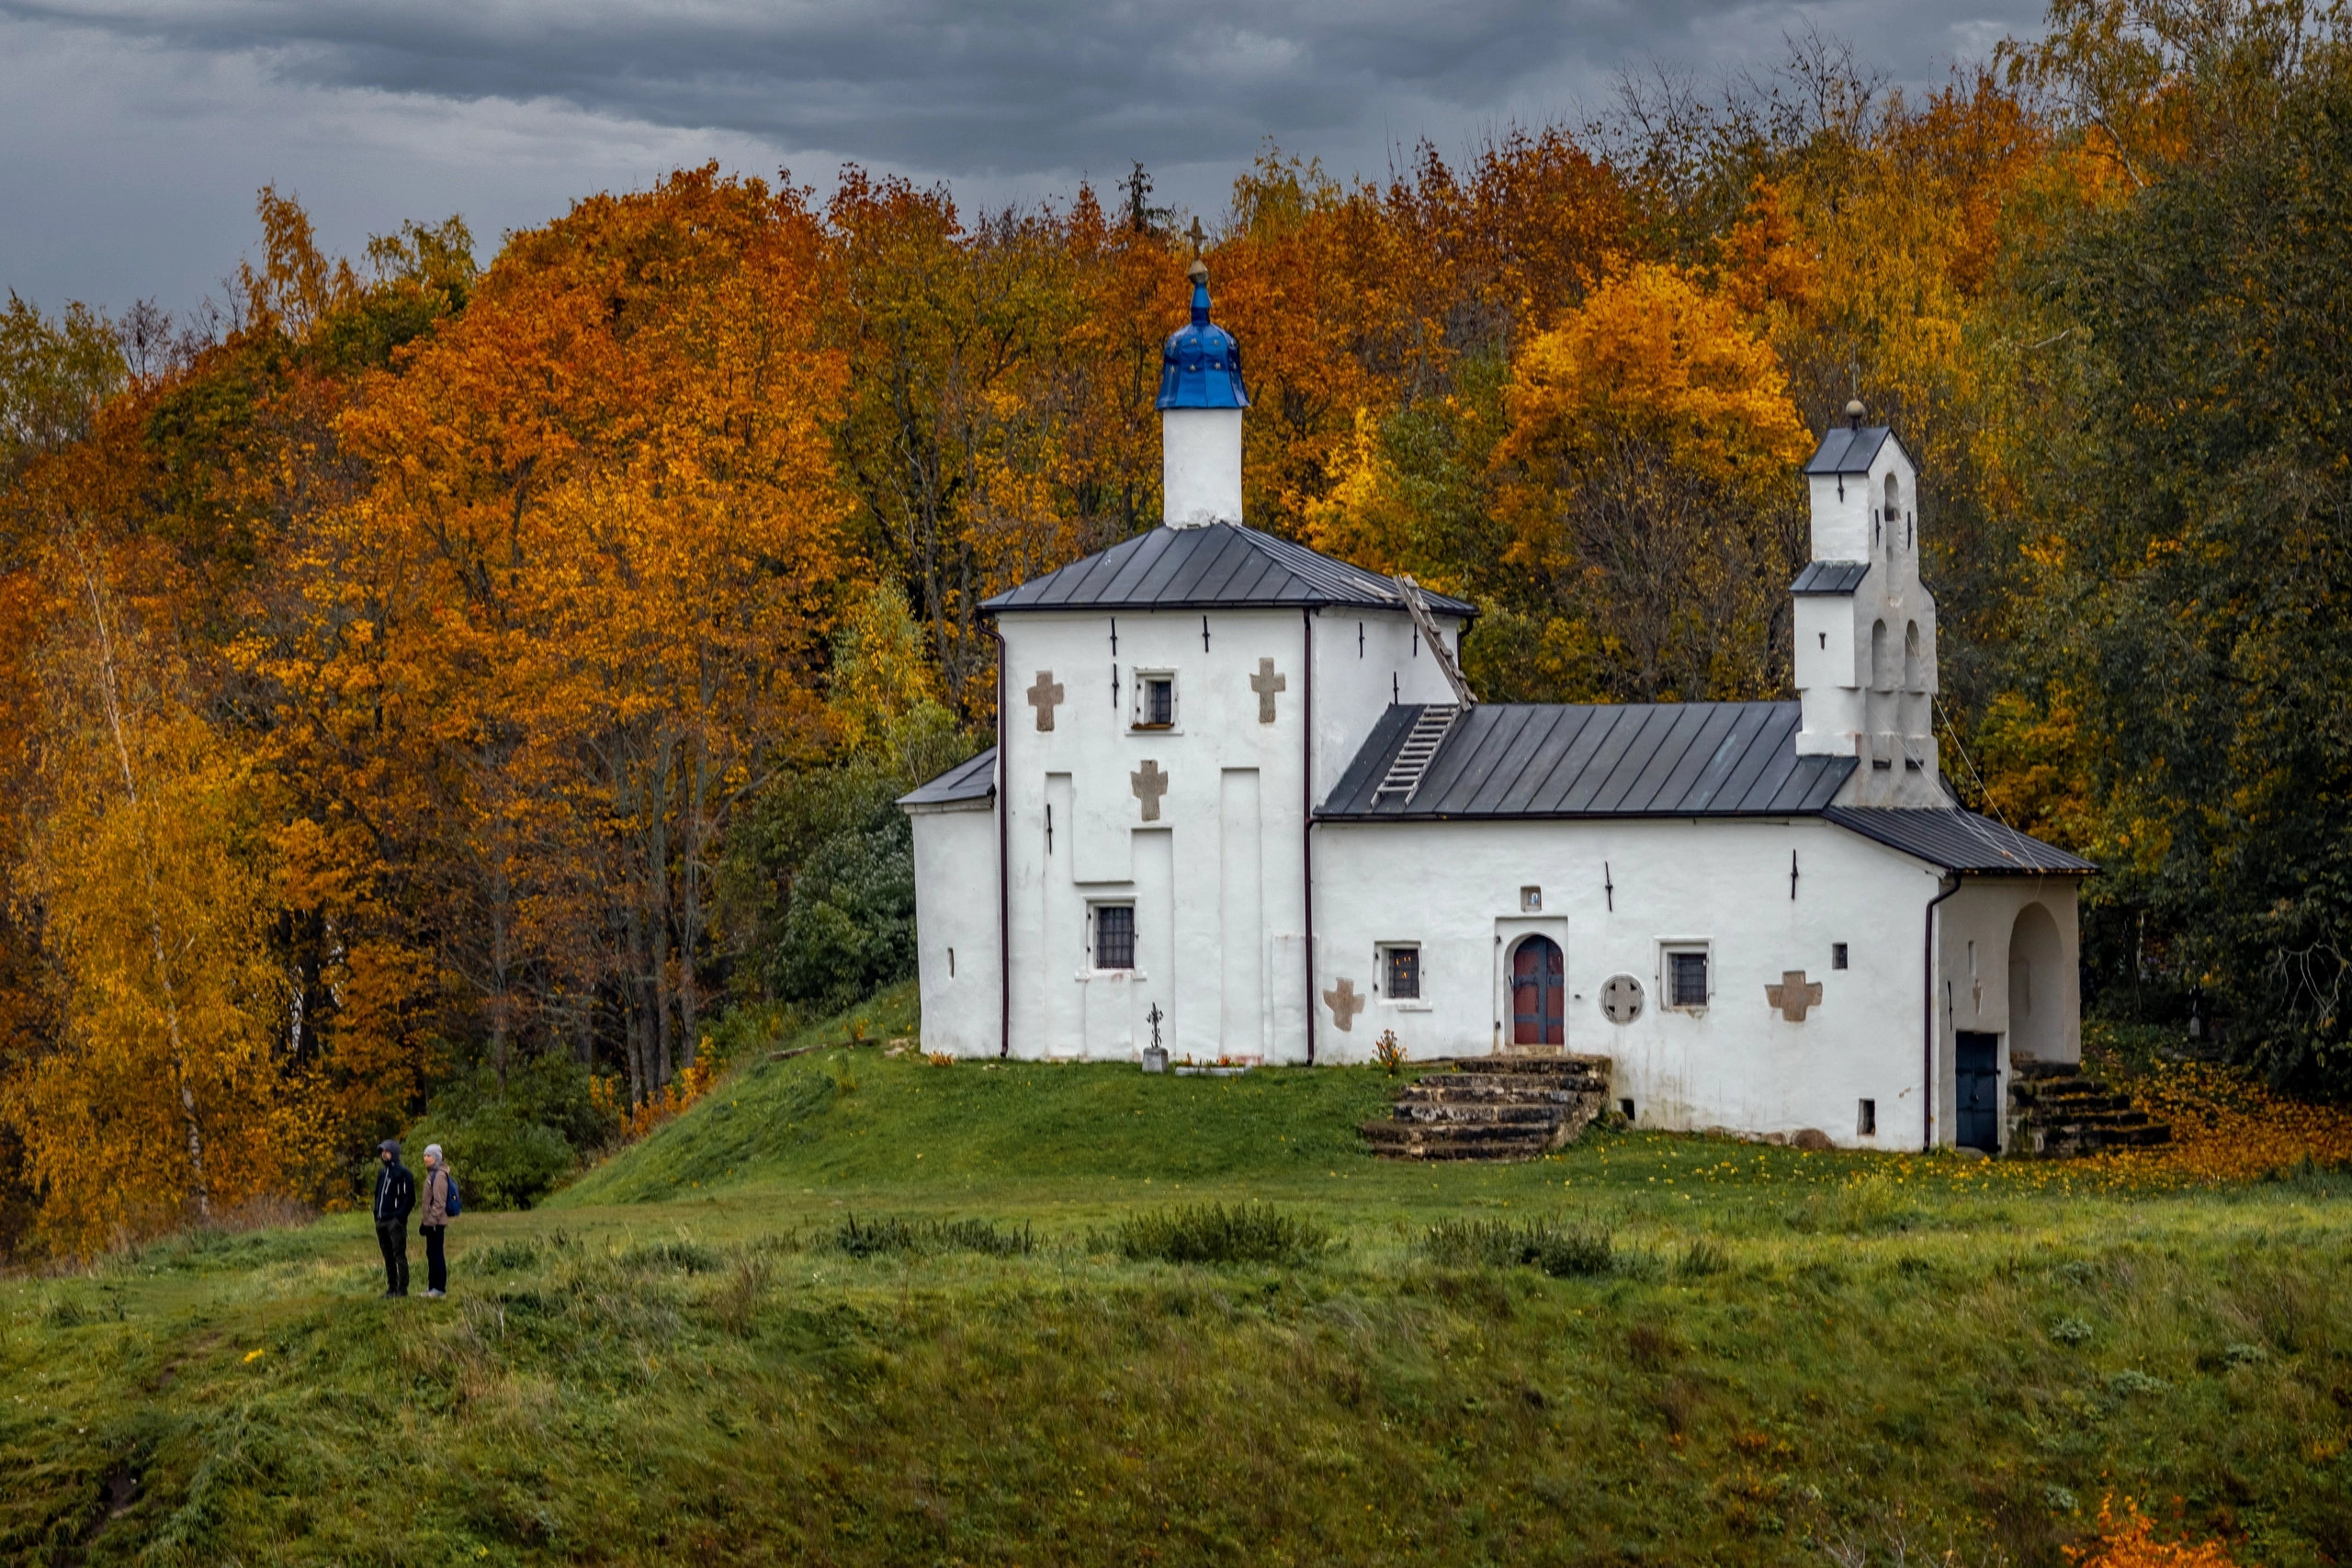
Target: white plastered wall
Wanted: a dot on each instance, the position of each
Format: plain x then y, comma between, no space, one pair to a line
1978,990
1615,894
956,927
1222,929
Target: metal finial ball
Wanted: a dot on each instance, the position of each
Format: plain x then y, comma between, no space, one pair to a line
1854,409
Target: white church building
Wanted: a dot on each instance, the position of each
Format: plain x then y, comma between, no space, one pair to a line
1241,798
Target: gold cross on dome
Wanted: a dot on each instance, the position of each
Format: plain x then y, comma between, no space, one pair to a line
1793,995
1043,696
1265,682
1345,1004
1149,785
1199,239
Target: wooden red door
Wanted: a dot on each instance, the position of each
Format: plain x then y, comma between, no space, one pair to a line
1538,994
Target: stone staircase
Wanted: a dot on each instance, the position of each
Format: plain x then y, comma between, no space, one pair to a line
2057,1114
1494,1108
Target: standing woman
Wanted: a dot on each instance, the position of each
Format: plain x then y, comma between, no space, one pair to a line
433,1222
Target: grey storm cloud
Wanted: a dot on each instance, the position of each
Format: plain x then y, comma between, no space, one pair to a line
992,87
138,130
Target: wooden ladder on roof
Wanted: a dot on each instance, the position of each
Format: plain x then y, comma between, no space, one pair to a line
1417,606
1411,763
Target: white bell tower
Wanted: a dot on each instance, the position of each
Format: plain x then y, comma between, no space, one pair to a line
1865,624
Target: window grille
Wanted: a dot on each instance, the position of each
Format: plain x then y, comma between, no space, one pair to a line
1687,977
1837,955
1115,936
1404,979
1157,708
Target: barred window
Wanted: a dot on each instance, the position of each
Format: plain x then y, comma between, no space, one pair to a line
1404,978
1155,700
1115,936
1687,979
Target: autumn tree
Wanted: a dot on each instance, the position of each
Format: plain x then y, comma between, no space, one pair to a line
600,537
2190,575
1648,479
163,1099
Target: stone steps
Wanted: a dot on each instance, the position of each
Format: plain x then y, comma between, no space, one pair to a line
1493,1108
2057,1114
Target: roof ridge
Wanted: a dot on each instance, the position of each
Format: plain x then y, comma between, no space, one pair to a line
1170,566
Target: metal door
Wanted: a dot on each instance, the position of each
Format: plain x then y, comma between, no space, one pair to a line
1976,1082
1538,994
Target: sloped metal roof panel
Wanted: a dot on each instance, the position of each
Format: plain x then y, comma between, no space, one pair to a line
1220,566
1513,760
975,780
1830,576
1961,840
1845,450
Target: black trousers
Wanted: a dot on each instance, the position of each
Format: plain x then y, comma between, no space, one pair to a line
393,1239
437,1262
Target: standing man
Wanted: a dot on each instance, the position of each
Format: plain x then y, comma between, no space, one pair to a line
395,1196
434,1223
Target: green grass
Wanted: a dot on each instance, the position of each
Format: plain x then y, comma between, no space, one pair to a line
772,1333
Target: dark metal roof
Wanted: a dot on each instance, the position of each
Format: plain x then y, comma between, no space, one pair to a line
1831,576
1220,566
975,780
1960,840
1846,450
1510,759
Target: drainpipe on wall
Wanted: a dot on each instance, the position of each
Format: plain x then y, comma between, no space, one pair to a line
1003,862
1927,1030
1306,829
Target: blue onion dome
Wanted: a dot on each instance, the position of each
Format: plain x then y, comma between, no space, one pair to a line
1200,367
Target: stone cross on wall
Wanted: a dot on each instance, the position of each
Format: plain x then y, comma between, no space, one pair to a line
1043,696
1150,783
1793,995
1265,682
1345,1004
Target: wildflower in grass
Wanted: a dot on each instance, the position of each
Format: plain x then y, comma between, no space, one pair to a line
2129,1541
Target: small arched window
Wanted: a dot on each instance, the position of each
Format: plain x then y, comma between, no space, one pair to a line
1915,673
1882,658
1893,500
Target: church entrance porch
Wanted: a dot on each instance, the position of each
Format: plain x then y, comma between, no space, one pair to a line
1976,1097
1538,993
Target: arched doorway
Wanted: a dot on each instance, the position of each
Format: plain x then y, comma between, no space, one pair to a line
1538,993
2037,982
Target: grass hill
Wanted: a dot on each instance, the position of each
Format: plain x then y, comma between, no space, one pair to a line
851,1309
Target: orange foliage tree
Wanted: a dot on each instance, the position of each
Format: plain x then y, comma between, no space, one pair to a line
1648,476
601,536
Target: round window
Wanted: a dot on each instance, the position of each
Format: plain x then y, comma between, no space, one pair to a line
1621,998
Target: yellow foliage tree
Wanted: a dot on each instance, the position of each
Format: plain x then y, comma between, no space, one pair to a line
1648,477
163,1101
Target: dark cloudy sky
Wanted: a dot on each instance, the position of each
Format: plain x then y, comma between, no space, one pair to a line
134,132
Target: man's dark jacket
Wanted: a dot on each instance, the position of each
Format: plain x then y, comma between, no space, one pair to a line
395,1194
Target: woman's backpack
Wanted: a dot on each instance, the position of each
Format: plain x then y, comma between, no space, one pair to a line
457,1199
